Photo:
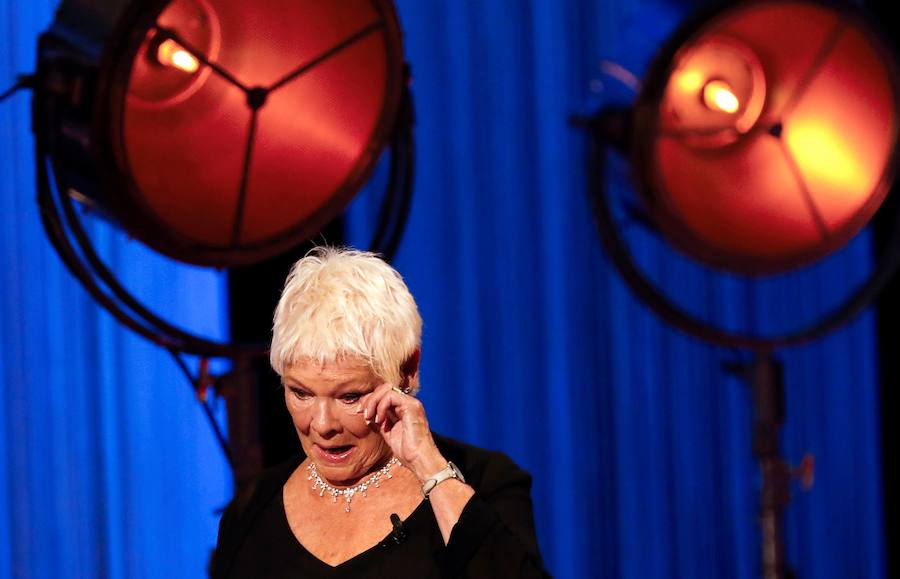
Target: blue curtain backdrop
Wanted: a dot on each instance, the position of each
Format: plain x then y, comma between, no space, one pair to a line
638,442
108,468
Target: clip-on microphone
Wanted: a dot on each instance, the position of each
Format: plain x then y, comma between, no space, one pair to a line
398,535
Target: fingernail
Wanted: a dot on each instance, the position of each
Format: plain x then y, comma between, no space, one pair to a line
359,408
366,414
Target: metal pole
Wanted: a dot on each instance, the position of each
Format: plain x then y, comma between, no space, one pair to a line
767,381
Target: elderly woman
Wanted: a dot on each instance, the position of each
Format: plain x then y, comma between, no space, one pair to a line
375,493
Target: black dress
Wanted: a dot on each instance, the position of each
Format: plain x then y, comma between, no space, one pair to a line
494,536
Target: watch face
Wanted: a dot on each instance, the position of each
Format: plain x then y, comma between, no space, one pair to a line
456,472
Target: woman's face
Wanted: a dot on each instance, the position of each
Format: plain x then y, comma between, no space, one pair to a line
324,403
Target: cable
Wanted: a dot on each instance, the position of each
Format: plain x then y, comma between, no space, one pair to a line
23,81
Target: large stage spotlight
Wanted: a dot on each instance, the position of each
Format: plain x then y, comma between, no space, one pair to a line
766,135
763,139
217,132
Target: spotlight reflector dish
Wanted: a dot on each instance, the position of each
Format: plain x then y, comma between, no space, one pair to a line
804,159
222,132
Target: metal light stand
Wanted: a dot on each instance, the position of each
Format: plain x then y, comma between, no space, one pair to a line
611,129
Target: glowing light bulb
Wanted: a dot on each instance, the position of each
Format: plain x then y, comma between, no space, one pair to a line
170,53
718,96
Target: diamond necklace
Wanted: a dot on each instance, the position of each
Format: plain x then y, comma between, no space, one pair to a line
363,487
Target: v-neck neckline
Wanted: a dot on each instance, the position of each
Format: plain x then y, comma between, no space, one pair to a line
352,561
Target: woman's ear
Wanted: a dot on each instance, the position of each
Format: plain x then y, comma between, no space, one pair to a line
409,371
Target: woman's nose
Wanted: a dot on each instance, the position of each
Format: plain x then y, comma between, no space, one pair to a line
325,419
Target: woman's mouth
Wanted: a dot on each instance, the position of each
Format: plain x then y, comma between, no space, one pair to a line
334,454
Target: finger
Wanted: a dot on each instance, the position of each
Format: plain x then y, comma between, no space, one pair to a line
389,400
394,404
370,404
362,408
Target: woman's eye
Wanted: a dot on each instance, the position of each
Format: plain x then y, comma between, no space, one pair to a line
351,398
299,394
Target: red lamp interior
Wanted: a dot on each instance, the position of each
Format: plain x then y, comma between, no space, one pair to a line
209,174
774,136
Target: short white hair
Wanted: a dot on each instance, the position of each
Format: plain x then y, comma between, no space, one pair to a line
339,303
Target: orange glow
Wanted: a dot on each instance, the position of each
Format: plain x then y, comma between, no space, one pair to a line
825,156
718,95
170,53
688,81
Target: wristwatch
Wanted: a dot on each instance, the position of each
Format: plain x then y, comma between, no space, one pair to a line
450,471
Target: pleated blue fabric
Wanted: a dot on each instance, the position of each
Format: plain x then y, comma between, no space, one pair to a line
108,467
639,443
